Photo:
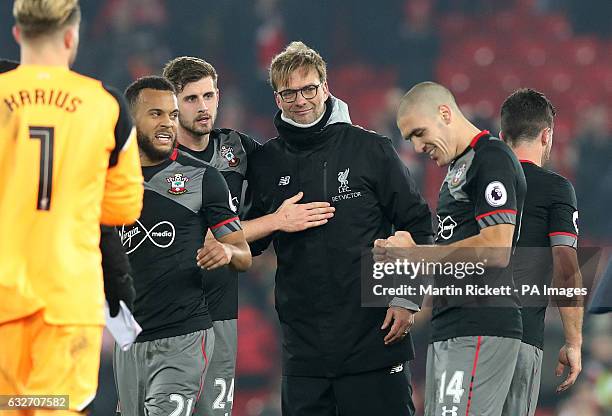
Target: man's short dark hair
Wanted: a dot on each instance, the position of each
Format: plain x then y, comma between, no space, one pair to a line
185,69
154,82
524,114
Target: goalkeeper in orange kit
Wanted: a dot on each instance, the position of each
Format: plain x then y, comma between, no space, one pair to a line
69,162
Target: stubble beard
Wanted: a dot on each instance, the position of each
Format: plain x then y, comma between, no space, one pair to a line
195,131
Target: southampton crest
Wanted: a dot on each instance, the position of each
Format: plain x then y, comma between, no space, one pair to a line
227,153
177,184
458,174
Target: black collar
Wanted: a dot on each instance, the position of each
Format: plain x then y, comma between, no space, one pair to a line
307,137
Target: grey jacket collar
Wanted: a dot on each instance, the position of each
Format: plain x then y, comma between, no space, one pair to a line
340,112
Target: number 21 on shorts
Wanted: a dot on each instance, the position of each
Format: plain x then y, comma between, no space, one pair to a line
180,405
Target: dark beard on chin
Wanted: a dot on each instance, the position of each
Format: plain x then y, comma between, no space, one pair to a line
191,129
148,148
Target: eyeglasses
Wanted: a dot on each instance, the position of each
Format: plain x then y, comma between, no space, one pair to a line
308,92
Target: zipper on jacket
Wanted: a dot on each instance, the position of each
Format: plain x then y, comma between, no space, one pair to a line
325,180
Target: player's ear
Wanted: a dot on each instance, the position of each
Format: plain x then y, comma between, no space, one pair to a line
71,37
325,90
17,34
67,39
546,136
278,99
445,112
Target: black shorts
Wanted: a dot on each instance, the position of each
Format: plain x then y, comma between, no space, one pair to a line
386,391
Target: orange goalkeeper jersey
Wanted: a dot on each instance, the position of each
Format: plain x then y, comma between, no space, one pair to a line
68,162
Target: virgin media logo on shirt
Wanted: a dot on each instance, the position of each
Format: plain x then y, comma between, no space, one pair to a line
161,235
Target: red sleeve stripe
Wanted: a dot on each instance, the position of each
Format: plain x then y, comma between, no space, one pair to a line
563,233
222,223
499,211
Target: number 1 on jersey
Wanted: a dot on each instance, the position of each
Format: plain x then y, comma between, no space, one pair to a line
45,181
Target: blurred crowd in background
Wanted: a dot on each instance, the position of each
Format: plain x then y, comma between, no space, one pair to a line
481,49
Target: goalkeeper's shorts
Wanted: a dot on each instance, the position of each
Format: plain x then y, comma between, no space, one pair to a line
37,358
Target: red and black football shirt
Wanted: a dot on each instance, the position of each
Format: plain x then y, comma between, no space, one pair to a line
485,186
550,218
183,198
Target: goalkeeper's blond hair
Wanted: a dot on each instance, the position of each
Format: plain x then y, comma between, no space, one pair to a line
43,17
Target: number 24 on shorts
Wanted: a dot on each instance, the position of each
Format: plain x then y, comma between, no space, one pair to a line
219,403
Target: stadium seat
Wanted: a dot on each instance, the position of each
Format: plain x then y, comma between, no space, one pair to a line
455,75
555,26
508,23
583,51
598,76
555,79
478,50
510,76
453,26
585,95
535,53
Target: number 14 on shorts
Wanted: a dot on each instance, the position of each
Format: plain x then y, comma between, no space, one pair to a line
454,388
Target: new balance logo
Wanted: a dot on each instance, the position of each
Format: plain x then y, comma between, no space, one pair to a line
451,412
397,369
284,180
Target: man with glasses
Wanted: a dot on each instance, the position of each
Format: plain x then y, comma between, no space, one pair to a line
339,358
229,151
